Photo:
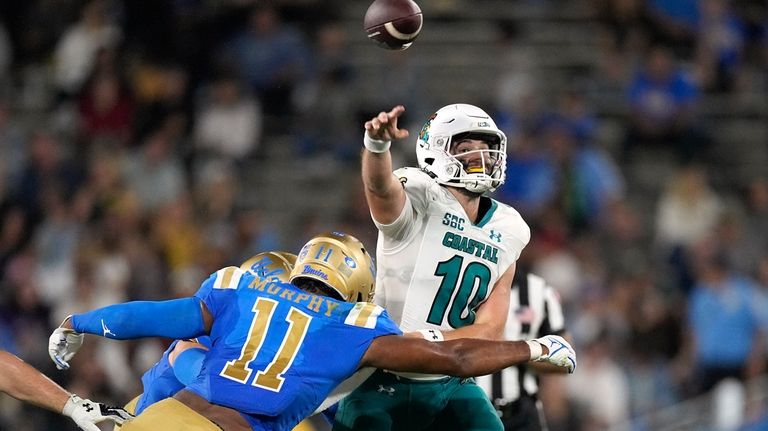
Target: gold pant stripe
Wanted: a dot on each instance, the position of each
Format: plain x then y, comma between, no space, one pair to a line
131,406
169,415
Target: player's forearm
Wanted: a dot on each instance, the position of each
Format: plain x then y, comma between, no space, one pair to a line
179,319
479,357
377,173
462,358
23,382
383,192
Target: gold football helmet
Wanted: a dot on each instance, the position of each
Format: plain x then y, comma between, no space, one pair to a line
340,262
271,265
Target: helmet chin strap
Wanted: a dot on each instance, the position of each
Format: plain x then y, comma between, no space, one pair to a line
478,186
475,187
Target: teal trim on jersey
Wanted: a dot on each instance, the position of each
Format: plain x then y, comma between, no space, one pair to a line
488,214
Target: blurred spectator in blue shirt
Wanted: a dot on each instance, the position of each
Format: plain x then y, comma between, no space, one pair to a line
587,179
577,178
723,319
662,99
272,57
576,114
530,185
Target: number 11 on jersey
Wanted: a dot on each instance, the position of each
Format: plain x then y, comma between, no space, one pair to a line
271,378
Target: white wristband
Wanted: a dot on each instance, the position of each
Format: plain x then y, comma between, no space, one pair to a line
375,145
70,405
433,335
536,350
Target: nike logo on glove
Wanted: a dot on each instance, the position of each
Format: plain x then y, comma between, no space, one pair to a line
553,344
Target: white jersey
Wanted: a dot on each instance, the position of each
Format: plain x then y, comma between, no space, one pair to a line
435,267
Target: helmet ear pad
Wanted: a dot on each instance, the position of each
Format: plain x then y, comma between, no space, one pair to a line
438,163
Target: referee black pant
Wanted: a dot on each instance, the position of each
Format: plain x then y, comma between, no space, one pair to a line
522,414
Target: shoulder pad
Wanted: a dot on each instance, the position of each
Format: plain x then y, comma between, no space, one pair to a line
228,277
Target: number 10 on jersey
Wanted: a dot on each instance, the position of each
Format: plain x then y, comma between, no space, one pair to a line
462,310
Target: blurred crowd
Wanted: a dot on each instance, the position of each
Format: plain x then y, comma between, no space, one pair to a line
129,132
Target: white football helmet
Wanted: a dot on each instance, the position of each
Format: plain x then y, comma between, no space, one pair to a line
433,148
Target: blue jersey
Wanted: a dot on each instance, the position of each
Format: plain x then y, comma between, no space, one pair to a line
278,351
160,381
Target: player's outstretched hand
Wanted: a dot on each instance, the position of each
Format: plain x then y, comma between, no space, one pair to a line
383,127
62,346
87,413
561,354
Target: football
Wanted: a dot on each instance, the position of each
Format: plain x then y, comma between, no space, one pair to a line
393,24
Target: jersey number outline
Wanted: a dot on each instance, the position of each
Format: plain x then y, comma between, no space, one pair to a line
271,378
449,270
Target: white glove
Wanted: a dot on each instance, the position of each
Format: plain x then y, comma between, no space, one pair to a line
87,413
62,346
561,354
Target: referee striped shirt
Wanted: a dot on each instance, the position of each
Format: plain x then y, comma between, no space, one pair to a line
534,311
